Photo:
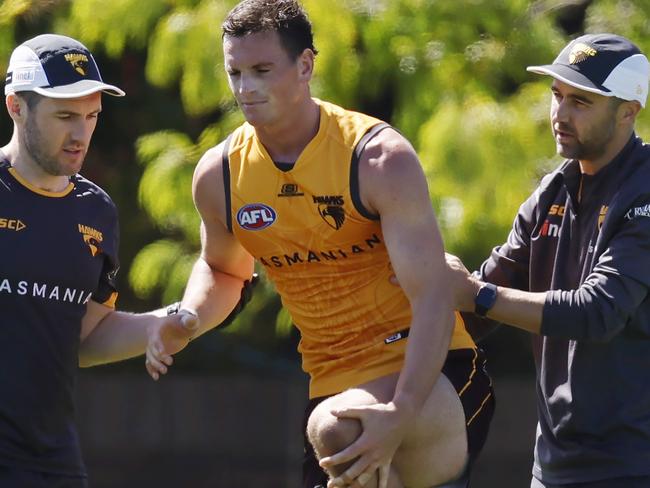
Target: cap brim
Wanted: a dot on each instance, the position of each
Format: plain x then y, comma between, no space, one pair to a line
79,89
569,76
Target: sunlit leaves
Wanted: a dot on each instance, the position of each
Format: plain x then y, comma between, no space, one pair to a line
165,187
450,75
338,62
161,267
483,158
185,47
116,25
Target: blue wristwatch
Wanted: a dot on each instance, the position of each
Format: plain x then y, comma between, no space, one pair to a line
485,299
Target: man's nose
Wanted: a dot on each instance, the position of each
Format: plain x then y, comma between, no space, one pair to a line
561,111
246,84
81,131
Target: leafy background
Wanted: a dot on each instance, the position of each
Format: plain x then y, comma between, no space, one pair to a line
449,75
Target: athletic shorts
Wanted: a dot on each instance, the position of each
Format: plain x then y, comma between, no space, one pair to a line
627,482
21,478
466,370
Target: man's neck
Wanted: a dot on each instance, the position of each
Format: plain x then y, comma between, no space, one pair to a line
30,171
286,142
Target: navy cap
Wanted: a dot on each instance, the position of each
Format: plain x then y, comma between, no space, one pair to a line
55,66
606,64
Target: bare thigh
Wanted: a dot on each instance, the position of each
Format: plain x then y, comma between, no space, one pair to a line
434,449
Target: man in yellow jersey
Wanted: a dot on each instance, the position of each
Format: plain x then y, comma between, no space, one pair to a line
332,203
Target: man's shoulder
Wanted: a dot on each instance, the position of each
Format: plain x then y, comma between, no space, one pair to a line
213,159
641,155
549,183
239,137
346,124
88,192
636,171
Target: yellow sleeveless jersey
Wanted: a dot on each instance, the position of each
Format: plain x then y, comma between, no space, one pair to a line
323,250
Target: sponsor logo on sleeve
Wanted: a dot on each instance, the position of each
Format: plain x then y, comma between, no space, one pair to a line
256,216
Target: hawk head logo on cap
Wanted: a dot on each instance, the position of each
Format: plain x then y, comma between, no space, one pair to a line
78,62
581,52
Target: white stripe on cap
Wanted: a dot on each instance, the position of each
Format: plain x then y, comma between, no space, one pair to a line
629,79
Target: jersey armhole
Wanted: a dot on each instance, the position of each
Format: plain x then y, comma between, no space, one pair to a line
225,166
354,170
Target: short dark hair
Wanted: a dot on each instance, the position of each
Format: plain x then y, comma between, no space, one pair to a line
286,17
31,98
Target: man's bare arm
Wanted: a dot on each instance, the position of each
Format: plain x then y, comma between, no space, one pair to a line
393,186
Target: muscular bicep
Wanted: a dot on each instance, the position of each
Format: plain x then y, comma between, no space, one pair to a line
219,247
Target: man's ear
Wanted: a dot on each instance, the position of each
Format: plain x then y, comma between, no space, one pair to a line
305,64
628,111
15,107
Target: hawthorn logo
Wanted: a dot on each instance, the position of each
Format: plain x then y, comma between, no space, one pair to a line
12,224
78,61
330,208
92,238
581,52
256,216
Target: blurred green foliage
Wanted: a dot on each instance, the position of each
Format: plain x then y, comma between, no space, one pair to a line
450,75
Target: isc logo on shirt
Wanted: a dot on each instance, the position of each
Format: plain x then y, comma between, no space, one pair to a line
256,216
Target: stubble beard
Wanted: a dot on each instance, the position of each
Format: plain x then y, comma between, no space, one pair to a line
592,148
35,144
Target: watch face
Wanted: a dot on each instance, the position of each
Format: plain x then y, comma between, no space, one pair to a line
485,299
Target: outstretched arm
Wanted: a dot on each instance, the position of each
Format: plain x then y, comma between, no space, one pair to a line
108,335
515,307
213,290
393,185
218,276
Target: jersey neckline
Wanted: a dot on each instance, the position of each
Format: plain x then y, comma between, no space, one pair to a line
39,191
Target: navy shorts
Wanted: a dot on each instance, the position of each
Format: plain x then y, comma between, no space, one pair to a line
17,477
466,370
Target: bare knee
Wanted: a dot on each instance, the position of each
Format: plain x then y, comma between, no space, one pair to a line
329,434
